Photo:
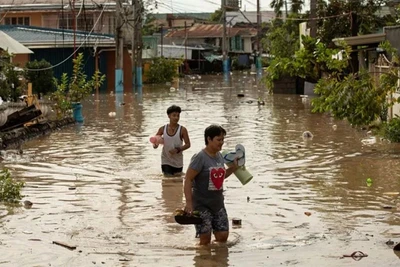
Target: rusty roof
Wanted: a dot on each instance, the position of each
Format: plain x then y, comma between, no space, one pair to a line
210,31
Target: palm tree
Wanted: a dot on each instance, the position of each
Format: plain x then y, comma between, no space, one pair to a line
297,6
277,5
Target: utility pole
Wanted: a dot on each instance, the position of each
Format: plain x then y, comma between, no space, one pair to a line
186,63
225,66
258,58
313,16
286,10
354,32
133,45
119,48
162,40
74,25
139,42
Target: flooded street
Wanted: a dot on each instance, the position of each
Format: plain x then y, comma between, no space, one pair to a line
99,186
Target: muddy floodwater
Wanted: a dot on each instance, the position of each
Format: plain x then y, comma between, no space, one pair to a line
98,186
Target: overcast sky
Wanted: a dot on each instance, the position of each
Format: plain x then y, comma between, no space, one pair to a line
190,6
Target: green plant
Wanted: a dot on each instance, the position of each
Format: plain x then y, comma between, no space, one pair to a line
40,74
10,190
11,84
163,70
391,130
74,89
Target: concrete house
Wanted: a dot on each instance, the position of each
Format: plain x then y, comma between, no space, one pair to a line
240,40
54,29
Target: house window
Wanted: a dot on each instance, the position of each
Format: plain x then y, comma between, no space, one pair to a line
17,21
84,23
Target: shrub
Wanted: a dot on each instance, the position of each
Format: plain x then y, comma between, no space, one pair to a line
42,80
11,86
10,190
391,130
163,70
74,89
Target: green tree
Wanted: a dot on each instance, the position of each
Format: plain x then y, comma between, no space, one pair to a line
356,97
282,34
40,74
163,70
342,17
11,84
295,6
216,16
76,88
10,189
149,27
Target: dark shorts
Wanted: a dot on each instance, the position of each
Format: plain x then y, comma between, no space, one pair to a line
217,222
169,170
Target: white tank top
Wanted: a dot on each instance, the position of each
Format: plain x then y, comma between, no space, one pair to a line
170,142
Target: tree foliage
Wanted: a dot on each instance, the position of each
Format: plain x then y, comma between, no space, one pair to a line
149,27
11,82
10,189
358,97
338,20
293,6
282,35
76,88
40,74
163,70
216,16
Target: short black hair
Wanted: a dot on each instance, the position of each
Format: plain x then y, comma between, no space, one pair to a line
174,108
213,131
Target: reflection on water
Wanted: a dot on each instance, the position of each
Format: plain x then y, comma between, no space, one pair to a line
213,257
99,185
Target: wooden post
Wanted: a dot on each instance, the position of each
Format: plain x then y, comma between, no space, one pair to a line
30,95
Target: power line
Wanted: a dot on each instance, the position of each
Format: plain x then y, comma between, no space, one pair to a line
72,54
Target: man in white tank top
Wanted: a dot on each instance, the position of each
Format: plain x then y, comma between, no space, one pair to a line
176,140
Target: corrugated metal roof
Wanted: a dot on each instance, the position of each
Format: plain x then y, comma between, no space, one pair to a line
34,37
12,46
210,31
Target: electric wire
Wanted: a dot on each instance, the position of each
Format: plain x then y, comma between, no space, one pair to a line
82,43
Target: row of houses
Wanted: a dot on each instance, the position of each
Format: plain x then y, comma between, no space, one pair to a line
54,29
48,29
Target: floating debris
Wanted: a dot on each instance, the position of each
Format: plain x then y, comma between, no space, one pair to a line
236,221
308,135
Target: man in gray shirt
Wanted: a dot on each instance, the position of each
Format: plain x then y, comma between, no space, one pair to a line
203,187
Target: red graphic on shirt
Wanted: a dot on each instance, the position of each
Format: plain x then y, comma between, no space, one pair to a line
217,176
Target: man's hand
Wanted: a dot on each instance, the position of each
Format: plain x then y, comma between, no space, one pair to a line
189,208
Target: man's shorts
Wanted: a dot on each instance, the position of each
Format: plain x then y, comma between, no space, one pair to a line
217,222
169,170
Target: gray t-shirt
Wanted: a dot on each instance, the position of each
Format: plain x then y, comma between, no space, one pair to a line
208,184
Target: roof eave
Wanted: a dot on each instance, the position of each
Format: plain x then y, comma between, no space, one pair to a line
361,39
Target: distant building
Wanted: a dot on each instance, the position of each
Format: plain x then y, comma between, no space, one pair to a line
239,39
249,17
170,20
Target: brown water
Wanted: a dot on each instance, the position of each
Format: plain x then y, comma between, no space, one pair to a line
98,186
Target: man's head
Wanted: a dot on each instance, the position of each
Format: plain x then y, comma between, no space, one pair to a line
174,113
214,136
